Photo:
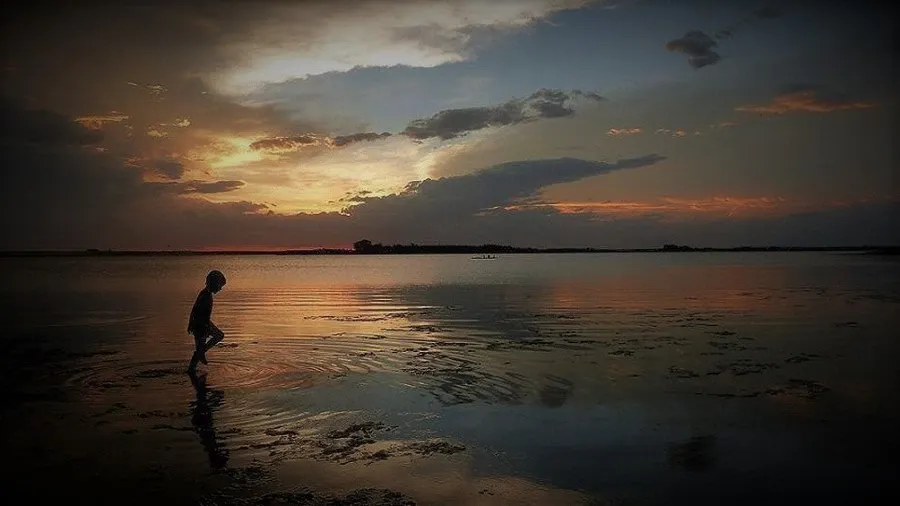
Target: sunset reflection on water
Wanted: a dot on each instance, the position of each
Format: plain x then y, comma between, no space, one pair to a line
541,376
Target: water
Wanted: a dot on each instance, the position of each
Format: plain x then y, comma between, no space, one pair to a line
529,379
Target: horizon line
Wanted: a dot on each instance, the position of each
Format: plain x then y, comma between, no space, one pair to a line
395,249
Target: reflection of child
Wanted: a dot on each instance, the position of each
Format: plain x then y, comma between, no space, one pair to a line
200,325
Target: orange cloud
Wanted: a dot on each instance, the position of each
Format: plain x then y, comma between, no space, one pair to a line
618,132
805,101
134,161
159,129
96,121
680,207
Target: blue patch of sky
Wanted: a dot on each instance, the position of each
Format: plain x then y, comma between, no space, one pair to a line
617,52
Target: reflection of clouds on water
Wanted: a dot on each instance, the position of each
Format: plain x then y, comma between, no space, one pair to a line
462,344
751,345
515,344
505,339
547,344
482,342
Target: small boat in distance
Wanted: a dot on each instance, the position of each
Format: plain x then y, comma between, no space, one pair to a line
485,257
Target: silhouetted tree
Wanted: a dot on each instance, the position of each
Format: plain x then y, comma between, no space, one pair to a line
676,247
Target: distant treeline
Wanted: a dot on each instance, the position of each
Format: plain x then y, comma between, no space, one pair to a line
366,247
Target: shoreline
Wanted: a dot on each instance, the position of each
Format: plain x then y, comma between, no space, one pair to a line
450,250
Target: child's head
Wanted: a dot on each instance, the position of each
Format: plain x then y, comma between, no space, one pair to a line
215,280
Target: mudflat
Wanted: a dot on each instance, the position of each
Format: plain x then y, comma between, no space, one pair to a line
531,379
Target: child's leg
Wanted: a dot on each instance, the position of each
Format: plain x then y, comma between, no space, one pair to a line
215,337
200,348
212,342
193,365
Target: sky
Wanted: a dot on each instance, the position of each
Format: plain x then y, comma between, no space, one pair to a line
543,123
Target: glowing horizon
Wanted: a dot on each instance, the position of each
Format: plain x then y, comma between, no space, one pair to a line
291,126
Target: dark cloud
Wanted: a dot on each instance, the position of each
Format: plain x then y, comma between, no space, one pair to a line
298,142
71,198
551,104
285,143
171,169
65,196
42,127
454,122
244,207
343,140
698,47
488,189
543,103
189,187
150,78
589,95
212,187
451,123
63,190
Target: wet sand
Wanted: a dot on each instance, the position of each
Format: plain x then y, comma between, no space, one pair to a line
718,381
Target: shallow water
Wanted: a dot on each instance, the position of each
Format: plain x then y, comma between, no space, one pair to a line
529,379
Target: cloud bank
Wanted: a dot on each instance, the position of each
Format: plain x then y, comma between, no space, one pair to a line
447,124
297,40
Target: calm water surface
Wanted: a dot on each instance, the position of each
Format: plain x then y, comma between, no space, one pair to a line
529,379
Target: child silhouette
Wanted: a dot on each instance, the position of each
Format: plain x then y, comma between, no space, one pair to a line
200,324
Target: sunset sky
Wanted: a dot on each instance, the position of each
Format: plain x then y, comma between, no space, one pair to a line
548,123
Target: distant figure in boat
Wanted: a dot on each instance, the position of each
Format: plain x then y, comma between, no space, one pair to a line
200,324
484,257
